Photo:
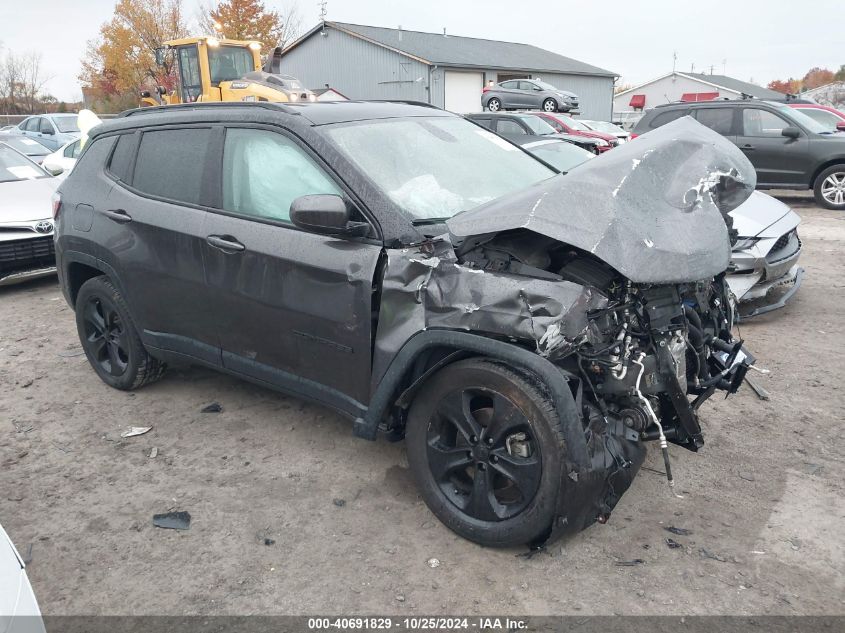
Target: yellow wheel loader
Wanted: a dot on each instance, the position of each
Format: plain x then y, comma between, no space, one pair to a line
211,69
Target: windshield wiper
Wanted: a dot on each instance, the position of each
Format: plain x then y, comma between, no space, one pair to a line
427,221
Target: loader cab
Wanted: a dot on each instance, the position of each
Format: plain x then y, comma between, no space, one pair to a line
202,64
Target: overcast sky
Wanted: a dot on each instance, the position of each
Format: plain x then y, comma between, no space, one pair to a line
757,40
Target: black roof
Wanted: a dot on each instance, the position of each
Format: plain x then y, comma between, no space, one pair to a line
720,103
307,113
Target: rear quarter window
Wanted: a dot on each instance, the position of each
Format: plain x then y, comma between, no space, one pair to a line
120,165
171,164
667,117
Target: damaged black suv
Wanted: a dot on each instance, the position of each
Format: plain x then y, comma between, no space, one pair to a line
525,331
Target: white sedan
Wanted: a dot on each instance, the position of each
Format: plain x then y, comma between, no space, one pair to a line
63,159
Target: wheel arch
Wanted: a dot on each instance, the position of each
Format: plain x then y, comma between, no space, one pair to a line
431,350
830,163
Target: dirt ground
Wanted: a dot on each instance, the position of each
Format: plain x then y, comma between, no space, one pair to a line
763,500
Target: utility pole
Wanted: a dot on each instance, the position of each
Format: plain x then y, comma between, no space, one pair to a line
724,66
674,60
323,10
711,69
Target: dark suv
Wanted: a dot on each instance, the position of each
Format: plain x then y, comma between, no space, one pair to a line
788,149
525,331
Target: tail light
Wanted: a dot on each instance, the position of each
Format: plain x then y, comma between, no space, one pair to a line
57,205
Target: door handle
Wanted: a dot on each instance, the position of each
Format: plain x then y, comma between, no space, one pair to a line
118,215
225,243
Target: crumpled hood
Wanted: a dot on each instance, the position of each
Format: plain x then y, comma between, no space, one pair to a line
27,200
652,209
757,214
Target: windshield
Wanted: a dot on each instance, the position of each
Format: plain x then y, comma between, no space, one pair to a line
570,122
436,167
66,124
560,155
538,125
26,146
544,85
827,119
227,63
802,119
603,126
13,166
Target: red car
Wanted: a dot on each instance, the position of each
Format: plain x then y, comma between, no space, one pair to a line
823,114
564,124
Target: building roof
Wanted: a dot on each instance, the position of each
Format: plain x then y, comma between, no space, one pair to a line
719,81
738,85
464,52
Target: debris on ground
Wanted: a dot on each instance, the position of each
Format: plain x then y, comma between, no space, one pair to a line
27,558
172,520
71,353
813,469
433,563
153,452
214,407
630,563
672,543
708,554
339,502
746,476
269,541
132,431
678,531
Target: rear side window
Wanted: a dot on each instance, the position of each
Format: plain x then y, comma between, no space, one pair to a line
667,117
121,158
170,164
488,123
720,120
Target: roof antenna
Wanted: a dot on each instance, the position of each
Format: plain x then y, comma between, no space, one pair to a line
674,59
323,12
444,31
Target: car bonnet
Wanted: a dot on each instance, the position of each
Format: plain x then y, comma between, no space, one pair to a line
654,209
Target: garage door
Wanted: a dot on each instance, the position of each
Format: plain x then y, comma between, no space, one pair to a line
463,91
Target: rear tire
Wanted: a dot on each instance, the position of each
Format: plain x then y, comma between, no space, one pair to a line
494,105
829,188
486,449
550,105
109,337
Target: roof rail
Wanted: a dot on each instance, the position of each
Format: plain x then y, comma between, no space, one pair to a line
269,105
406,101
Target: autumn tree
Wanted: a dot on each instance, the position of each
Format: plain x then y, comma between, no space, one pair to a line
816,77
789,86
122,58
250,20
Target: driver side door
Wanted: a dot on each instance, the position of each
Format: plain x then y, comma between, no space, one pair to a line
294,309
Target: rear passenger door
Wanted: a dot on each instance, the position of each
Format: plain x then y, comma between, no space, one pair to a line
153,233
293,308
720,120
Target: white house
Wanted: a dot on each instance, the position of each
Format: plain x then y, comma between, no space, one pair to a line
677,86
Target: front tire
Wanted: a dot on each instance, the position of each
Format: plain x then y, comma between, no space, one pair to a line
494,105
829,188
109,337
486,449
550,105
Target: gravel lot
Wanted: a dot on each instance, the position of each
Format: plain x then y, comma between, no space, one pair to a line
763,500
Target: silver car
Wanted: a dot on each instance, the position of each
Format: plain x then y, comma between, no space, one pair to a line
26,222
528,93
764,273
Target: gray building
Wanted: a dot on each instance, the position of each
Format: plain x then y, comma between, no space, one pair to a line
368,62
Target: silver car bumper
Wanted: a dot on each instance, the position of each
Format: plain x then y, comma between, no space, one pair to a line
26,275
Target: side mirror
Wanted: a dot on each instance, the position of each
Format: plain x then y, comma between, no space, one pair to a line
791,132
841,126
325,214
54,169
161,55
145,94
161,90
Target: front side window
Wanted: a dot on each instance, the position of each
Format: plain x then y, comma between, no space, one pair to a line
762,123
720,120
72,150
189,68
264,172
506,126
436,167
527,85
170,164
228,63
46,127
537,125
